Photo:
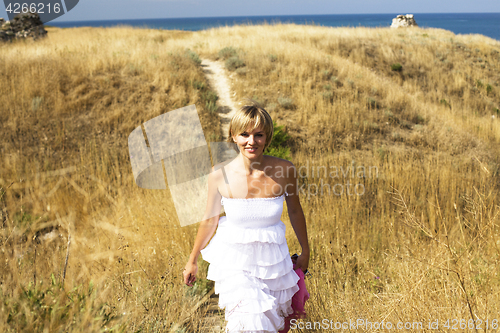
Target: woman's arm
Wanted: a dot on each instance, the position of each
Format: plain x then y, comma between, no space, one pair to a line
206,229
297,218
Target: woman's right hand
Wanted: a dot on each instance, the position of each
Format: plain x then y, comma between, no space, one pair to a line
190,273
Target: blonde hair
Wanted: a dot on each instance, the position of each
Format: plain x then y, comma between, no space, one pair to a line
252,116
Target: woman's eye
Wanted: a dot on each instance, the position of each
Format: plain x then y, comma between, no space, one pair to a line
256,135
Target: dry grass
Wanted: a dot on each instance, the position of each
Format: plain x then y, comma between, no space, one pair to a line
421,243
70,103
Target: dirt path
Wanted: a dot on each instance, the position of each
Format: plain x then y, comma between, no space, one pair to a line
218,78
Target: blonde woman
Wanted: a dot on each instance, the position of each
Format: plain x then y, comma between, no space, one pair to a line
249,257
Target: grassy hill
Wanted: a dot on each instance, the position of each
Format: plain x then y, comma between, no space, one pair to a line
396,134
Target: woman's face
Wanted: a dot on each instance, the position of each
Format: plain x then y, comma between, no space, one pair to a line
251,142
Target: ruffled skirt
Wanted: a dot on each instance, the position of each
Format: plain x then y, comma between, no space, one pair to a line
253,276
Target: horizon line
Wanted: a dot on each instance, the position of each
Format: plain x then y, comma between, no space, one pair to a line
250,16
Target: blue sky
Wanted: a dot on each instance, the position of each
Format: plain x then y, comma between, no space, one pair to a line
140,9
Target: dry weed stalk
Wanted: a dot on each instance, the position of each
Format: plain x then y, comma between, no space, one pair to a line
463,271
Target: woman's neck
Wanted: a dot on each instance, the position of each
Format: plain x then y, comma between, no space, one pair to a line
250,165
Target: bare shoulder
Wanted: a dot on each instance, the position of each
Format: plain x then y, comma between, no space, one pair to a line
218,166
276,161
282,167
216,174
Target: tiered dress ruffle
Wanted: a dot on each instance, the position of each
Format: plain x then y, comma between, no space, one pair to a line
251,266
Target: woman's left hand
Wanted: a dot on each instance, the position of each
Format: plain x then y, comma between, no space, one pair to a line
302,262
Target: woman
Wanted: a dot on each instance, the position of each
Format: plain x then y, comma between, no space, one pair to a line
249,258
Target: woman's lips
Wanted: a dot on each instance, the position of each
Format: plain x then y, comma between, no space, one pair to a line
251,150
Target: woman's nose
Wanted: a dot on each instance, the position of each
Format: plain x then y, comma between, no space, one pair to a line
251,139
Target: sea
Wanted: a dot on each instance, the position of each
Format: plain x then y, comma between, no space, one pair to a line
487,24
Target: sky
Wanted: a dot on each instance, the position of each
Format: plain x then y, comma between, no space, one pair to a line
87,10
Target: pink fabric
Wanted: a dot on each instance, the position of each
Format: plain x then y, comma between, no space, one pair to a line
298,301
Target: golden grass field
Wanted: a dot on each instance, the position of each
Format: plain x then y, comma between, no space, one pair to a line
420,244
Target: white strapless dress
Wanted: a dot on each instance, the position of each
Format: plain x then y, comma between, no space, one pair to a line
251,266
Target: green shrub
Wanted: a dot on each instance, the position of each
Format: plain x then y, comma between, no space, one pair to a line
396,136
327,95
272,57
211,106
193,56
391,118
227,53
372,103
198,85
406,124
209,98
280,152
234,63
36,102
374,127
382,152
271,106
241,71
418,119
285,102
280,136
336,81
445,103
397,67
278,146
